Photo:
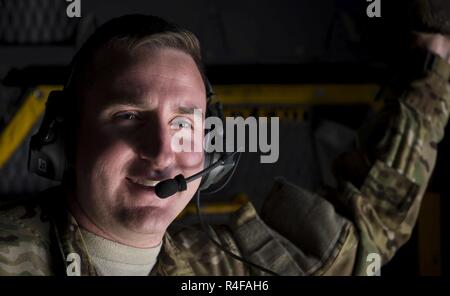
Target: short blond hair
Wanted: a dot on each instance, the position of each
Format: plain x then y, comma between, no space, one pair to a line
128,33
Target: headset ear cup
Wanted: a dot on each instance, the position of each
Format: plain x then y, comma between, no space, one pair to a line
46,151
212,177
209,156
208,160
217,174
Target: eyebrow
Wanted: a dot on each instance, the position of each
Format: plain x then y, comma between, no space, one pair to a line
127,100
184,110
187,110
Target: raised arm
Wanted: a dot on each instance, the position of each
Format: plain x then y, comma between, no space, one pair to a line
385,205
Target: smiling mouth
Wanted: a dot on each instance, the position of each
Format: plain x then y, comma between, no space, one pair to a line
144,182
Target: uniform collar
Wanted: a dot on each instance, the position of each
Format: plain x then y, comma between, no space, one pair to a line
171,260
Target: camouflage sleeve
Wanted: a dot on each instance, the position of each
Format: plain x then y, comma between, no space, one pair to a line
23,241
375,209
385,205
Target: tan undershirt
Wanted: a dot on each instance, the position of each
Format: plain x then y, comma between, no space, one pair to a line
113,259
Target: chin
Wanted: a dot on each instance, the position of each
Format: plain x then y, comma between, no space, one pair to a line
146,219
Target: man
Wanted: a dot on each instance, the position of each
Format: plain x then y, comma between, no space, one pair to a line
134,84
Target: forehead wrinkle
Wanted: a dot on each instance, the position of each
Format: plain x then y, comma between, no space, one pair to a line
141,86
144,84
165,67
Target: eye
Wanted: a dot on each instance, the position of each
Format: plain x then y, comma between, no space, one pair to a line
127,116
180,123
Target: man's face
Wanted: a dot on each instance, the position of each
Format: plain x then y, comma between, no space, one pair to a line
130,113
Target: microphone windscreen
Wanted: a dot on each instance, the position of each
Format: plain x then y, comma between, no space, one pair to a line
166,188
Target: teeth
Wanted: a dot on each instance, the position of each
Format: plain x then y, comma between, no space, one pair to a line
146,182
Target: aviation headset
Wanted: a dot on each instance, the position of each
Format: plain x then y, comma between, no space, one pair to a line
50,148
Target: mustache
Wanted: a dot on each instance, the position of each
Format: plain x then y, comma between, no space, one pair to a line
147,172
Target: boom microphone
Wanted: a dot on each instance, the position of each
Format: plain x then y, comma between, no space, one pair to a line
169,187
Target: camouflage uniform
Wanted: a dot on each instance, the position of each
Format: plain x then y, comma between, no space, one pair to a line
297,233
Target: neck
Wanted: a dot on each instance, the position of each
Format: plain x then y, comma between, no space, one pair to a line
137,241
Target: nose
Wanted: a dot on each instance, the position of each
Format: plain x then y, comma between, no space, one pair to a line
155,146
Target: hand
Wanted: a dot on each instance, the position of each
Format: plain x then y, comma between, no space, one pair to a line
436,43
